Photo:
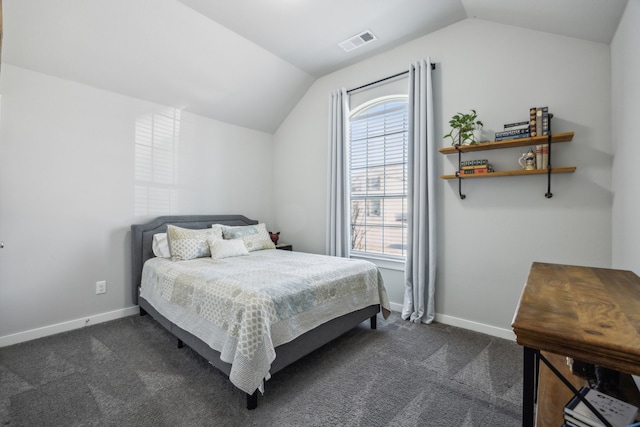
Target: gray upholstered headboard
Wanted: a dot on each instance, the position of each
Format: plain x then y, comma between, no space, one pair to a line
142,237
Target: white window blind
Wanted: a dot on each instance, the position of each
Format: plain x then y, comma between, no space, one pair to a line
157,138
378,177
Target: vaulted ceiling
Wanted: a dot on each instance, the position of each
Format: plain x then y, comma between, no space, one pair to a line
248,62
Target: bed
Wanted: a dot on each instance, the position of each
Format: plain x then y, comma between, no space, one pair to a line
253,314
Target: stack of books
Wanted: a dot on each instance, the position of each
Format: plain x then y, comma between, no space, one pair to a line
468,167
542,156
537,125
539,121
514,131
615,411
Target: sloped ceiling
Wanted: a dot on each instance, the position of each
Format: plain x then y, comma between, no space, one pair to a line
157,50
306,33
248,62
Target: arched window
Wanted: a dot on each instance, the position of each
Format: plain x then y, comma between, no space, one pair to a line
378,177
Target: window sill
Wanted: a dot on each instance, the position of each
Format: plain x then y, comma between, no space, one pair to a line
387,263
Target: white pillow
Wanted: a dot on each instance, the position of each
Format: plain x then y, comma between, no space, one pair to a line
160,245
227,248
185,243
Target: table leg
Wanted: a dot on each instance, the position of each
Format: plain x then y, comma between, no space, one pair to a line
529,387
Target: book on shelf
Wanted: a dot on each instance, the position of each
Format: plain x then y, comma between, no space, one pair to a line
505,138
542,156
516,125
572,422
617,412
477,162
512,132
475,171
468,168
545,156
538,121
545,121
532,121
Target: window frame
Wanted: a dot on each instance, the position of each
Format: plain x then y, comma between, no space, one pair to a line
386,260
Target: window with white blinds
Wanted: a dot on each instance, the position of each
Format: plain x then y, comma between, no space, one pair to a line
157,138
378,177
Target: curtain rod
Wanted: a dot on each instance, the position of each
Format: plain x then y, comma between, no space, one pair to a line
433,67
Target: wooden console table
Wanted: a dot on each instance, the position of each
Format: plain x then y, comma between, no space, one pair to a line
589,314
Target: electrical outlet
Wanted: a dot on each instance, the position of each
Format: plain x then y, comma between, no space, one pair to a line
101,287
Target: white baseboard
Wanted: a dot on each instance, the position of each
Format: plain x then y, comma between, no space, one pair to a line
66,326
475,326
129,311
467,324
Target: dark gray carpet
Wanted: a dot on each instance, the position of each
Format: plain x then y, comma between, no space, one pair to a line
129,372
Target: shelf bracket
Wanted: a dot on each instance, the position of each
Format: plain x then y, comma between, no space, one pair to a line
549,194
462,196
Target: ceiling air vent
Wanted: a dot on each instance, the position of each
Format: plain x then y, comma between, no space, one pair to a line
357,41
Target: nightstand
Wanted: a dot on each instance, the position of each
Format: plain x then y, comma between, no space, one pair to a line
284,246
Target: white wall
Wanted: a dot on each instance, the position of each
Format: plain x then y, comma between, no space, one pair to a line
625,86
488,241
67,193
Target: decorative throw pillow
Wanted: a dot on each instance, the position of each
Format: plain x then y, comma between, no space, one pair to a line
160,245
187,244
227,248
255,237
219,226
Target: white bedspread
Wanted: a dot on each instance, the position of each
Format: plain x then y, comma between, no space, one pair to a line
246,306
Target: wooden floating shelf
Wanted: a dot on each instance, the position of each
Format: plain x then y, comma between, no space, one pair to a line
569,169
521,142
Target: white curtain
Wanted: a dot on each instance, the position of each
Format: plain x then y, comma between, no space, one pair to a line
338,214
420,269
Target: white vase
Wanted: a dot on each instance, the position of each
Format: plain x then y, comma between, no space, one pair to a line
477,135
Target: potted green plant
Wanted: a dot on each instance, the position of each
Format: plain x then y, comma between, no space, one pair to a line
463,127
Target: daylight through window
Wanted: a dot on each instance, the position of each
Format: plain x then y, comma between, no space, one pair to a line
378,177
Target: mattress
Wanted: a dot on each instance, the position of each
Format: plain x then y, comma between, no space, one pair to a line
245,306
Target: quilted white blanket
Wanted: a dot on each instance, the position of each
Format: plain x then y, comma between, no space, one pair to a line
246,306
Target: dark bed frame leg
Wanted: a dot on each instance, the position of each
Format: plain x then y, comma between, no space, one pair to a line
252,400
180,343
374,322
142,312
